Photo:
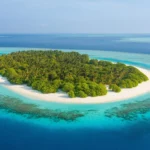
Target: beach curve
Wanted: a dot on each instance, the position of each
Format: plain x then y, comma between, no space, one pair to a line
62,97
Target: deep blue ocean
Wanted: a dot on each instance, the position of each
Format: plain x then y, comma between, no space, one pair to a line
137,43
123,125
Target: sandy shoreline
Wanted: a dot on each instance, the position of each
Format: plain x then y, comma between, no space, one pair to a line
63,98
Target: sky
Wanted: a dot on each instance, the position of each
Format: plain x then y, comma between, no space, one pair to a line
74,16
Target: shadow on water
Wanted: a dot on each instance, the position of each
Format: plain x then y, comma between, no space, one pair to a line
130,111
19,135
14,105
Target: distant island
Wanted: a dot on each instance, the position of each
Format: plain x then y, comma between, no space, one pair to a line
74,73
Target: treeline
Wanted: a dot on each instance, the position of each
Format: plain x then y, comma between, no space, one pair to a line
49,71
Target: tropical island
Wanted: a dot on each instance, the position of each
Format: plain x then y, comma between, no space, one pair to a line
71,72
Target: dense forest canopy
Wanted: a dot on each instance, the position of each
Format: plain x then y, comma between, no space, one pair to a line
71,72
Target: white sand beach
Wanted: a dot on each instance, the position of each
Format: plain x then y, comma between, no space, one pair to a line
63,98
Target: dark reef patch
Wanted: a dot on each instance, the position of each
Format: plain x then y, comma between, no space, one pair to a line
130,111
14,105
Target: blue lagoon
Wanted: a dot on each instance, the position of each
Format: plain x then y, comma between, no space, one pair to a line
27,123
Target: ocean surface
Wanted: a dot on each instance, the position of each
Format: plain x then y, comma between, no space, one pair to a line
27,124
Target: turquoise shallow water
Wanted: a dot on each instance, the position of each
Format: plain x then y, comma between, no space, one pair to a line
94,114
112,122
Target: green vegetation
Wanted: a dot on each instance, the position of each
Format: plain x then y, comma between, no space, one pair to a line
115,88
71,94
71,72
